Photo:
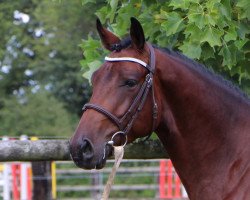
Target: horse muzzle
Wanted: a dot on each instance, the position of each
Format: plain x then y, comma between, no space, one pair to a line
86,156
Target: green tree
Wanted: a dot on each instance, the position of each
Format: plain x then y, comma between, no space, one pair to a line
44,51
35,115
42,55
64,24
215,32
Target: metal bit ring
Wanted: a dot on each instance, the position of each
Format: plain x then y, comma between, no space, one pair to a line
111,142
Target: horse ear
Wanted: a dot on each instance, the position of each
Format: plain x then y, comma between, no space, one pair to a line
108,39
137,34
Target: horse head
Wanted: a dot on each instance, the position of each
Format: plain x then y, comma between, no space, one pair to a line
122,107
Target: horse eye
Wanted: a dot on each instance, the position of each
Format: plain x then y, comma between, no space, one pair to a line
130,83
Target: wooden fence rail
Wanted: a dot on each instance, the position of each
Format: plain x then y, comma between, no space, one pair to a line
45,150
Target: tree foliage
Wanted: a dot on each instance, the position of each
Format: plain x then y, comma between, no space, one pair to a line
44,52
35,114
214,32
64,24
40,54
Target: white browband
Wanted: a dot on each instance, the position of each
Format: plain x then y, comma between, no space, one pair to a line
127,59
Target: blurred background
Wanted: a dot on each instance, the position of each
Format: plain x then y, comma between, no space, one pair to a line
41,85
48,51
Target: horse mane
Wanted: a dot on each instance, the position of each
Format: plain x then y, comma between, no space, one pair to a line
204,70
126,42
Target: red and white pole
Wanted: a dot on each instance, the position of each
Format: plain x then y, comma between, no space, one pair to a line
162,178
25,186
6,178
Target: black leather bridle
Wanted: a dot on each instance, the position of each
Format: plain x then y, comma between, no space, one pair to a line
139,100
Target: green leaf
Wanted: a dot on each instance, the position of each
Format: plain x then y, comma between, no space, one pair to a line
207,52
196,15
194,1
246,48
93,66
212,36
173,24
243,29
192,50
84,2
123,15
231,34
193,33
229,55
237,71
103,14
211,5
240,43
198,19
158,17
245,6
210,19
90,43
226,54
182,4
226,9
113,5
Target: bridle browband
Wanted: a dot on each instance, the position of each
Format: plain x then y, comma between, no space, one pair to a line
139,100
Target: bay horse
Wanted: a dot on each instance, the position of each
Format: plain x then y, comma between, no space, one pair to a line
202,120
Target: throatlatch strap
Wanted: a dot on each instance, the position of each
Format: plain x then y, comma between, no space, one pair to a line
118,151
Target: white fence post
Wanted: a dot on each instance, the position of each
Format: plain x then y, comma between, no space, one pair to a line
24,176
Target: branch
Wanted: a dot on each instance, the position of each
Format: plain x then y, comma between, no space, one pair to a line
41,150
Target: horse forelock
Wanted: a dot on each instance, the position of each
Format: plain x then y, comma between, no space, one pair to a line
123,44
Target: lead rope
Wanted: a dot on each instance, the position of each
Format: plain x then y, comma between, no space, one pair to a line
118,151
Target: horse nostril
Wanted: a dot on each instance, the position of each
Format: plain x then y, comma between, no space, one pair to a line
87,149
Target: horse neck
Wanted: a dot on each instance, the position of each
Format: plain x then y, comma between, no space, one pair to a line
200,119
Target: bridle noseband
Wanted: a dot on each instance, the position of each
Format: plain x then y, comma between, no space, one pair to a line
137,103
